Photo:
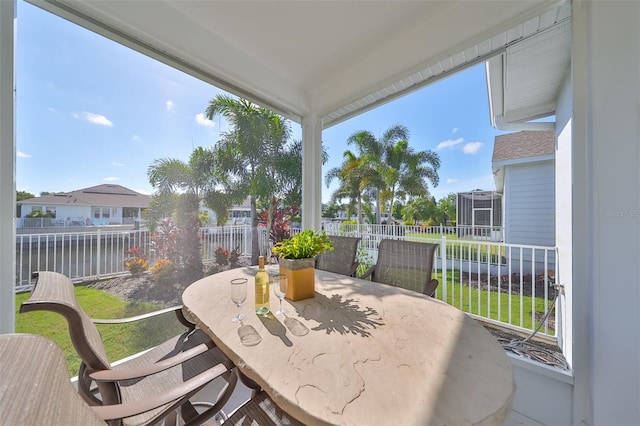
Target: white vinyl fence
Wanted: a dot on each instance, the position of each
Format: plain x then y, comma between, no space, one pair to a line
100,254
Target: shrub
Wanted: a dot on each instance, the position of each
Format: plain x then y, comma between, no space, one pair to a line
136,266
234,257
222,256
136,262
164,271
343,225
364,259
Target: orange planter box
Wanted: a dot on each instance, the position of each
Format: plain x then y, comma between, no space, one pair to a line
301,276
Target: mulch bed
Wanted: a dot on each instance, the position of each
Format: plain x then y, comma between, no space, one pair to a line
536,348
483,282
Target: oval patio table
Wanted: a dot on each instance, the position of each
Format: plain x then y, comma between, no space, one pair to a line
374,355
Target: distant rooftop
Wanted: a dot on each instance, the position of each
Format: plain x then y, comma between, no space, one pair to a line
525,144
100,195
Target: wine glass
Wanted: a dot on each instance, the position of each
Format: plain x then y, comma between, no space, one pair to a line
279,283
238,295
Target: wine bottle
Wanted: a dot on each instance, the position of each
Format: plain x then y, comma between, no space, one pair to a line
262,289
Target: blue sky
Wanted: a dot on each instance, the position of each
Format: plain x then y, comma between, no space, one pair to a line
90,111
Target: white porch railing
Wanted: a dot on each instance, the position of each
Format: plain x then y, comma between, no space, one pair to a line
506,283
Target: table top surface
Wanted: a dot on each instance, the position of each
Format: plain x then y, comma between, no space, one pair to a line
374,354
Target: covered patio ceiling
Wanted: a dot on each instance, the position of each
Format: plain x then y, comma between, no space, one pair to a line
333,59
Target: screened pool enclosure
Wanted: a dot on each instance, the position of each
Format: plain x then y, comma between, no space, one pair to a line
479,215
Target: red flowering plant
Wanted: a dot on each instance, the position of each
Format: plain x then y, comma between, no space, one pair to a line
234,257
222,256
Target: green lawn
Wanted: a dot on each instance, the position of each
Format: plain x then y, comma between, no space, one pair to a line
120,340
492,305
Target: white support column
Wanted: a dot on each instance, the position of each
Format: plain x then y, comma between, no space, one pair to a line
311,171
7,168
606,212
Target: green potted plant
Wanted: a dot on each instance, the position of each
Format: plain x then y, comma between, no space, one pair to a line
296,256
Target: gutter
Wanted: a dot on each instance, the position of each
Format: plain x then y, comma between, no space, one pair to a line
499,123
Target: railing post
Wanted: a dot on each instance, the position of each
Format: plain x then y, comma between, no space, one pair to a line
98,255
443,264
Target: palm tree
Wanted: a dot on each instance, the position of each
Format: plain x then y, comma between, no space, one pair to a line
247,155
350,175
392,168
406,172
179,189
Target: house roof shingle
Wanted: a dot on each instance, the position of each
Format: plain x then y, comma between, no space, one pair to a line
100,195
523,144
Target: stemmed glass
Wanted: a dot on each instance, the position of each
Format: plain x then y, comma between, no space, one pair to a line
238,296
279,283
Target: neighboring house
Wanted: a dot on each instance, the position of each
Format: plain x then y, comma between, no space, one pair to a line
98,205
238,215
523,166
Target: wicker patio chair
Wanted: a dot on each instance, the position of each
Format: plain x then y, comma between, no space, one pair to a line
406,264
342,259
171,372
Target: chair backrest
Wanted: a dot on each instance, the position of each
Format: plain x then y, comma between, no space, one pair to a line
406,264
342,259
55,292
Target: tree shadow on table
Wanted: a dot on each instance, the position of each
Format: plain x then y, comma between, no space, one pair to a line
336,314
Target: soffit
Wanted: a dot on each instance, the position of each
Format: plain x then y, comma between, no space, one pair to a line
524,82
332,58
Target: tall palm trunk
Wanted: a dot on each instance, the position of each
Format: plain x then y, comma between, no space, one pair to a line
255,248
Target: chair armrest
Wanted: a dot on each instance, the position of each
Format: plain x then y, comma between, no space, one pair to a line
368,272
430,288
119,411
176,309
354,269
134,373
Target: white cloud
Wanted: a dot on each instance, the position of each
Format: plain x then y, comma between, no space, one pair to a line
92,118
203,121
111,178
136,138
454,130
21,154
472,147
170,106
449,143
451,180
115,163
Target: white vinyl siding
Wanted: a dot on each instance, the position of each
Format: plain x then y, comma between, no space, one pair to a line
530,203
